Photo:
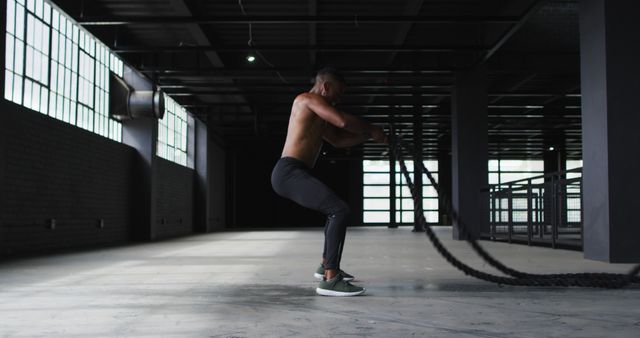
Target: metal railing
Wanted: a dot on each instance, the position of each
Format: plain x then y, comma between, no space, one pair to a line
542,210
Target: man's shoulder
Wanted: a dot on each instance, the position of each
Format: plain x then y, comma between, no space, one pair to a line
307,96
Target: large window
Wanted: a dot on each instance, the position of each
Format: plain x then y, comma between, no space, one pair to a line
377,193
172,133
574,205
55,67
502,171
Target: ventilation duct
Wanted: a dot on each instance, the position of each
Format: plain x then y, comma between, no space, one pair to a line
127,103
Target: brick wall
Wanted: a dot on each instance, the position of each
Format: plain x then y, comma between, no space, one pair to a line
52,170
173,189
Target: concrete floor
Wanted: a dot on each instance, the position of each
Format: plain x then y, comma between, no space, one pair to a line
260,284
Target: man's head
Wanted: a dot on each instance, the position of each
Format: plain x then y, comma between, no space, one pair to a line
330,84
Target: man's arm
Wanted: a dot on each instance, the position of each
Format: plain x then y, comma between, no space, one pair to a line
341,120
341,138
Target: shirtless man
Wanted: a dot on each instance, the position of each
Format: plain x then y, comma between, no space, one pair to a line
314,119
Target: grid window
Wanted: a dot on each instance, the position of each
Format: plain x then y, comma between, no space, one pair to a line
505,171
15,45
172,133
55,67
376,193
573,190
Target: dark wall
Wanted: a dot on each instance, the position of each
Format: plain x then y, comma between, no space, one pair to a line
90,185
217,187
252,201
52,170
173,190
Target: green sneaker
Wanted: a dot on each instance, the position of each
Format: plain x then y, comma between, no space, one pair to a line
338,287
319,274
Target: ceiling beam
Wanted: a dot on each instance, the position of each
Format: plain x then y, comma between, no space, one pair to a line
287,91
313,32
294,19
532,10
181,7
325,48
361,85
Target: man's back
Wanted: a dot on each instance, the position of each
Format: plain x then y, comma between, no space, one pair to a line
304,134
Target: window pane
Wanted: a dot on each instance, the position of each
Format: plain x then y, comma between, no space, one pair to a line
19,57
376,179
403,191
493,165
429,191
408,164
375,217
11,9
376,191
404,204
522,165
432,216
430,204
406,217
9,52
17,89
8,85
431,165
20,22
573,164
368,165
376,204
493,178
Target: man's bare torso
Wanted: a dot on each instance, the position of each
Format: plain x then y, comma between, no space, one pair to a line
305,132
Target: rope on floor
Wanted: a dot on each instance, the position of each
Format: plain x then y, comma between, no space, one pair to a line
516,278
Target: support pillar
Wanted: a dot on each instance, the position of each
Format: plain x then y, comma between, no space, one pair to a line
392,192
609,54
554,199
142,134
469,158
202,212
417,161
444,181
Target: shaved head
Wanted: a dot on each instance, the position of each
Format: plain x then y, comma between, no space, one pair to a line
330,74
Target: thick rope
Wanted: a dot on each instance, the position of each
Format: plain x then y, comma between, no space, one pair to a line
518,278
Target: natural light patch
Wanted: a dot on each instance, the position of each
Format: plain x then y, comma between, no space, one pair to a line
172,133
55,67
377,207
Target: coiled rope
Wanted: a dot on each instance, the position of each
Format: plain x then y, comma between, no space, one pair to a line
516,278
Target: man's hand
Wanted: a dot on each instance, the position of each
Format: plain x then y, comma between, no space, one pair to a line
378,135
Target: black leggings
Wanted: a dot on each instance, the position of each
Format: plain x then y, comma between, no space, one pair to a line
291,179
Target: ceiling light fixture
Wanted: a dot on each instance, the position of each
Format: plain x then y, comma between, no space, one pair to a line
251,58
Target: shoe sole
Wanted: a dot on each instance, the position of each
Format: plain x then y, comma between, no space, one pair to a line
331,293
320,277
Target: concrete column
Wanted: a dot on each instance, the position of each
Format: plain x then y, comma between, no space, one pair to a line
609,53
142,134
417,160
201,187
554,159
444,182
3,14
469,158
210,181
218,183
554,154
392,193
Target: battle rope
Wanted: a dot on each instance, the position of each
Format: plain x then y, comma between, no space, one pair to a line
518,278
